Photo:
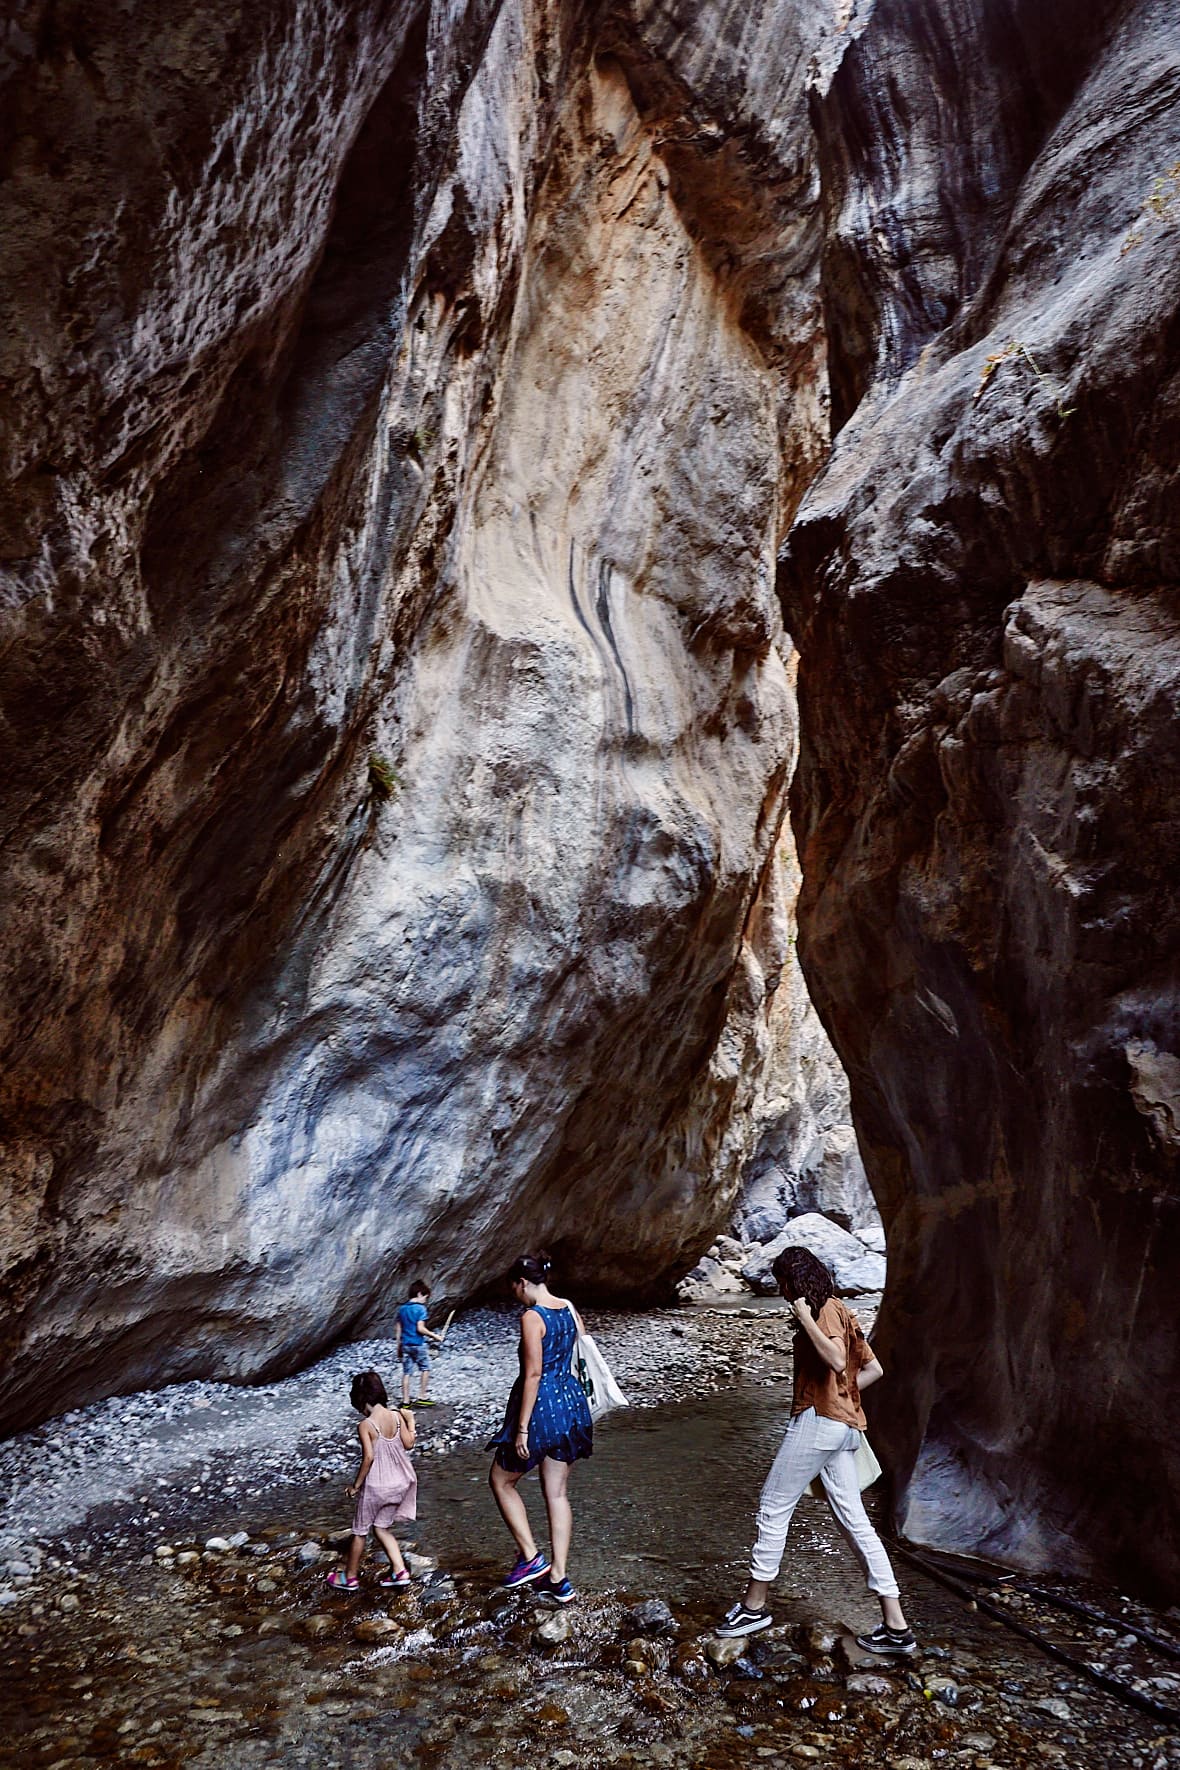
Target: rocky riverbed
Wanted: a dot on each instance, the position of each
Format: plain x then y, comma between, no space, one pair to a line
170,1606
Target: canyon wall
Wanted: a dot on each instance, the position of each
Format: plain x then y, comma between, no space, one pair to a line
404,406
984,589
398,438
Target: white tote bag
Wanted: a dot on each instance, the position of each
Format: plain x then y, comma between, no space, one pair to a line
593,1373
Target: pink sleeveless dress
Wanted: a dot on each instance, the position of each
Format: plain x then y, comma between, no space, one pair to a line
390,1491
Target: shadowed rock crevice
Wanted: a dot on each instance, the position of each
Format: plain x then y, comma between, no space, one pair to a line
921,165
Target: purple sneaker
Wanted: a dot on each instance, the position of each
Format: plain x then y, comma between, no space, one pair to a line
525,1572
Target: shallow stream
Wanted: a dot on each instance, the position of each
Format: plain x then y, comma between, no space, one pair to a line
245,1656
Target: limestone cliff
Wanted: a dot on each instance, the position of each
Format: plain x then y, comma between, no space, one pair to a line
984,589
403,406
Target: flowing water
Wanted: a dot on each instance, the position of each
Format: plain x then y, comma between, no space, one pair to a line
246,1657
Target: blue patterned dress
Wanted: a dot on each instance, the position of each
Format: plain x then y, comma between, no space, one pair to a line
560,1425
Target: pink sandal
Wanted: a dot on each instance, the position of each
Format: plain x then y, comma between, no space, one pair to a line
396,1579
341,1581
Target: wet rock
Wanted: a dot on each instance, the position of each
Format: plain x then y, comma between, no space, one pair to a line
309,1552
1053,1705
653,1617
553,1627
869,1684
724,1651
652,1652
689,1661
942,1689
744,1669
438,1588
317,1626
419,1565
818,1638
377,1628
217,1545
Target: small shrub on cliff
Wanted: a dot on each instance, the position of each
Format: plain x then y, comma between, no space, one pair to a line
1015,351
383,779
1159,206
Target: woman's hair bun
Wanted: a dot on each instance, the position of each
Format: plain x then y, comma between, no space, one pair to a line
534,1268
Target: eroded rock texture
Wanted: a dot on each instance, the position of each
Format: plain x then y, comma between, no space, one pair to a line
983,587
430,383
436,383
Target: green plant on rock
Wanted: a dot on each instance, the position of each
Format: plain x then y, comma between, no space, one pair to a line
1016,351
384,781
1160,206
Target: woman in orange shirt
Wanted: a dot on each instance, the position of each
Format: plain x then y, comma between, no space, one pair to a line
833,1363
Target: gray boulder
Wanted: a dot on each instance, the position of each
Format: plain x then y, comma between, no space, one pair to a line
855,1268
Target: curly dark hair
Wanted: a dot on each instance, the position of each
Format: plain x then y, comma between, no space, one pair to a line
800,1274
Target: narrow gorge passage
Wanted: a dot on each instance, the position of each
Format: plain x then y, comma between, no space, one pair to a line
589,658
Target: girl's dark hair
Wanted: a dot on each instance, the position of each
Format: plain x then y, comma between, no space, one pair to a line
533,1268
800,1274
367,1391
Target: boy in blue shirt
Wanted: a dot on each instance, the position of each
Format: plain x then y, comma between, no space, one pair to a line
412,1335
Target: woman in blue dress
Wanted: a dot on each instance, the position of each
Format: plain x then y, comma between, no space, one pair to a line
547,1425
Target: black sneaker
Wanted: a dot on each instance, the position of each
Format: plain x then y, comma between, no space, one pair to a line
899,1642
740,1621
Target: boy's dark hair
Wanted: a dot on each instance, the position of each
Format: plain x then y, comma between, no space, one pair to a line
367,1391
419,1288
799,1274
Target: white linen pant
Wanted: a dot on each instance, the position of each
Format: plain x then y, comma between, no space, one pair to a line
817,1446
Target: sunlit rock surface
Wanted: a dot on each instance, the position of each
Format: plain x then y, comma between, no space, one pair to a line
403,408
431,385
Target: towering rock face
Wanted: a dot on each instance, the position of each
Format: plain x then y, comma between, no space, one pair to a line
983,586
399,437
404,403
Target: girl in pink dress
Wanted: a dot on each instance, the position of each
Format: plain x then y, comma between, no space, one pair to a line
386,1487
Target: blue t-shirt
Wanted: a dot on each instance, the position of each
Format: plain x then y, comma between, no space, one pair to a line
410,1316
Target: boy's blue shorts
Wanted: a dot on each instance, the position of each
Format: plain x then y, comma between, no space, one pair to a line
415,1357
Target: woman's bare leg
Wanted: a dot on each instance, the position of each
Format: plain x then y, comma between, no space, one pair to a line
503,1485
554,1483
356,1554
390,1544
